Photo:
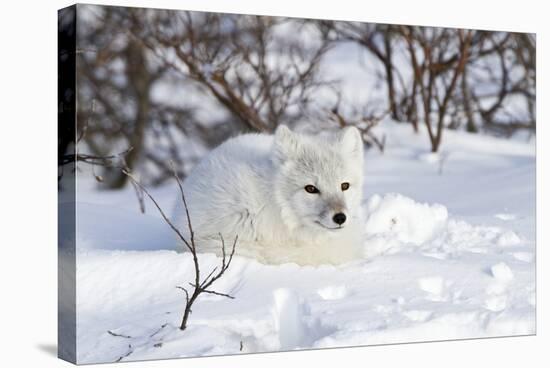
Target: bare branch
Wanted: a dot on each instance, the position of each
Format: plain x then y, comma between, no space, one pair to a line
141,187
160,329
118,335
217,293
95,160
364,124
180,187
130,351
198,285
186,293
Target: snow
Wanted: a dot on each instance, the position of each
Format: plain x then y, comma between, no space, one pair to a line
400,216
505,216
333,292
502,272
508,239
432,285
449,254
524,256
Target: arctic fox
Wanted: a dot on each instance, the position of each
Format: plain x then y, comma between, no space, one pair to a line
289,197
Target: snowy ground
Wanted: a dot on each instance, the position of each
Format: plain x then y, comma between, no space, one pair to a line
449,254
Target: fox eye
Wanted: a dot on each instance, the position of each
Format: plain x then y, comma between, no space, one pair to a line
344,186
311,189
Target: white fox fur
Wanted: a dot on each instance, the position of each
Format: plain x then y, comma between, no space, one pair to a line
253,186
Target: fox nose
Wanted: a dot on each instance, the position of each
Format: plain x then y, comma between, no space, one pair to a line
339,218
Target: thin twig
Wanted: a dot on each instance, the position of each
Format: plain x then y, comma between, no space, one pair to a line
118,335
175,229
216,273
130,351
217,293
160,329
186,293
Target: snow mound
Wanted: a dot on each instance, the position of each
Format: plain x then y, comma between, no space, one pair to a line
333,292
287,313
508,239
293,322
432,285
460,235
502,272
395,223
435,287
460,271
496,303
403,218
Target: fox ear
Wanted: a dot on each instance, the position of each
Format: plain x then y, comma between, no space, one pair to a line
351,142
286,143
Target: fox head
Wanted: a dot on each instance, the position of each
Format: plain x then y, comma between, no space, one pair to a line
319,179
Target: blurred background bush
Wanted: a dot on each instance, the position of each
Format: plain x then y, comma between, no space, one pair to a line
172,85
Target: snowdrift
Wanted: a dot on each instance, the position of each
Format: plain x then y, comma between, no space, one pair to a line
449,253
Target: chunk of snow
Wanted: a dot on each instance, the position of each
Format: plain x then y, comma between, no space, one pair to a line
288,314
462,236
399,300
333,292
430,157
410,221
524,256
495,288
381,244
502,272
508,239
505,216
418,315
432,285
496,303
